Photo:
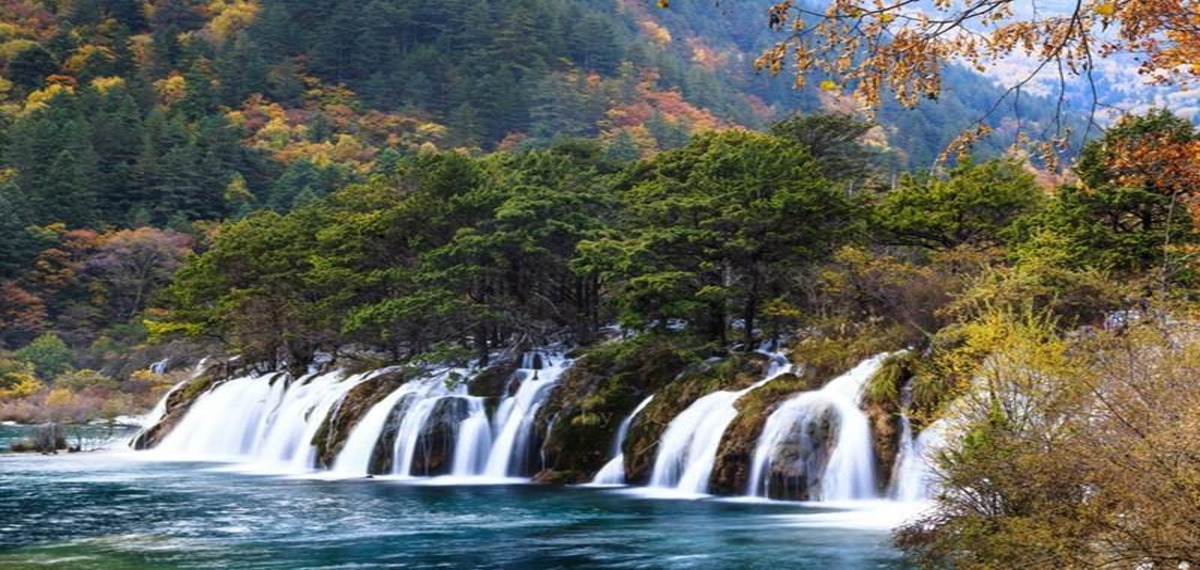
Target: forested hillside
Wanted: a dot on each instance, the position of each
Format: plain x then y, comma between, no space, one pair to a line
126,113
179,114
132,133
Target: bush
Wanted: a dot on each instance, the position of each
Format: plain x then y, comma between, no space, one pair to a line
49,356
81,380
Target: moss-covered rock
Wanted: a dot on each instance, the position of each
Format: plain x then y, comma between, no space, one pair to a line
883,402
179,401
494,382
731,472
641,446
825,356
596,395
801,459
885,440
434,453
332,435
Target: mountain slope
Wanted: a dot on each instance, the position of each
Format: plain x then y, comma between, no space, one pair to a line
122,113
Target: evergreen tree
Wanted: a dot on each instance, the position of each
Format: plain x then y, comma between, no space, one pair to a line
28,70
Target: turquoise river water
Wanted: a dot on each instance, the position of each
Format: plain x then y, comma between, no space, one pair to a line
117,510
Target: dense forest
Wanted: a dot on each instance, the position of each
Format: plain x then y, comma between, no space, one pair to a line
132,130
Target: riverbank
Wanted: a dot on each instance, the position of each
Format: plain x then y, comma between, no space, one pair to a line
22,438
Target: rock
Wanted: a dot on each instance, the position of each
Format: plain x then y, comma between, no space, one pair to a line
731,473
801,458
605,385
552,477
178,404
332,435
493,383
733,373
383,456
434,453
885,438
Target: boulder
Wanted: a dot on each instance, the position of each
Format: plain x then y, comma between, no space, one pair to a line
332,435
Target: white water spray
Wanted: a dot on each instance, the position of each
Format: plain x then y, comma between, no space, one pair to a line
613,472
269,420
913,478
687,452
849,470
513,424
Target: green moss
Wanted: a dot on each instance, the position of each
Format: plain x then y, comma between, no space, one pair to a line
895,371
731,471
192,390
605,385
825,356
331,436
733,373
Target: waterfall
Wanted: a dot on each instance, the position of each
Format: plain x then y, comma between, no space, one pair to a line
913,478
613,472
688,449
159,411
796,437
513,424
266,419
429,425
416,411
160,367
403,418
355,458
474,441
409,434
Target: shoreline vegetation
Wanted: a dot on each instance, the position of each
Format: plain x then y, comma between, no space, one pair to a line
55,438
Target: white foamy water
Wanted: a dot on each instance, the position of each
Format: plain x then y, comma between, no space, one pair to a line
850,470
688,449
613,472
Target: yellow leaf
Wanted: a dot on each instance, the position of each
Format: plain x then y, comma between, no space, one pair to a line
664,3
829,85
1106,9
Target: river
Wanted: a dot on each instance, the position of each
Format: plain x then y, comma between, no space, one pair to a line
119,510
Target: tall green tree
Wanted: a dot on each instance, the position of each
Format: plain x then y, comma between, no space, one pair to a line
973,204
714,230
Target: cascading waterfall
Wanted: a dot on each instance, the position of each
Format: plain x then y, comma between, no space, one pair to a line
408,437
688,449
270,420
474,442
913,478
355,458
431,425
613,472
513,424
844,470
496,449
159,411
412,405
